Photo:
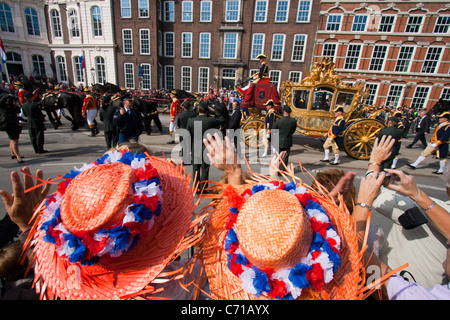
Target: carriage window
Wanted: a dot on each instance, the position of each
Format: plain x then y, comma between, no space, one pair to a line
322,99
300,99
345,99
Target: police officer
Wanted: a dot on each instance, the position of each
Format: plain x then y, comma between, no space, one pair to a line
286,128
36,126
106,115
334,136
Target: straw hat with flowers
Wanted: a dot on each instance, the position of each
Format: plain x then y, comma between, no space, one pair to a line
111,227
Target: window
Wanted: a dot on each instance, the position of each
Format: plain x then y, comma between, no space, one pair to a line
420,97
61,69
261,11
278,47
442,24
127,39
386,23
97,21
275,77
186,45
144,40
6,19
101,69
304,11
169,11
282,10
204,45
334,22
32,21
404,59
230,45
79,75
73,23
395,92
298,50
378,58
257,45
232,10
169,72
143,9
359,22
38,64
295,76
125,8
205,11
169,44
445,94
329,50
414,23
431,60
56,23
186,78
129,75
146,79
203,79
372,89
160,44
352,58
186,14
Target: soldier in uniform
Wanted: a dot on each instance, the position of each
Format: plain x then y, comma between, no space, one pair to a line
36,126
395,131
89,110
438,144
334,136
286,128
398,140
263,72
106,114
175,108
268,124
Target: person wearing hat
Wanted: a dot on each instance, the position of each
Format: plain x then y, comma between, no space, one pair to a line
334,136
268,124
286,127
181,122
89,110
396,132
9,113
438,144
106,115
36,126
263,72
175,109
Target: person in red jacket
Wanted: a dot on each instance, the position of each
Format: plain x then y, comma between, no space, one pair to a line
89,110
175,109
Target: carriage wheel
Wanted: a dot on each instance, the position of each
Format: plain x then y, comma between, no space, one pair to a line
360,136
253,133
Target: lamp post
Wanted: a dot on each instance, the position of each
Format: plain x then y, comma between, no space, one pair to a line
93,75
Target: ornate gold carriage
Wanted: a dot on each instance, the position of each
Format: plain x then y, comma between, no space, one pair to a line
313,100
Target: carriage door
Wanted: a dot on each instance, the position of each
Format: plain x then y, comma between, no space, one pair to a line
228,78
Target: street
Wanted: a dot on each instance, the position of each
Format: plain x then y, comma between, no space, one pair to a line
69,149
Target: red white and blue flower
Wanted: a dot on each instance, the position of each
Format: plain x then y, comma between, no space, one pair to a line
313,271
88,248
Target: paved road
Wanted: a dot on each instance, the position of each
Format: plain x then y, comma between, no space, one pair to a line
68,149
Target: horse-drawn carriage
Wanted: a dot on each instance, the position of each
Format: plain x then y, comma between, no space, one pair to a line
312,102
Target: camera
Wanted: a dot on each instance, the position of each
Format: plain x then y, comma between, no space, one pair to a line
412,218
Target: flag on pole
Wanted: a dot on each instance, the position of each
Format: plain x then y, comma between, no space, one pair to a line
83,65
2,51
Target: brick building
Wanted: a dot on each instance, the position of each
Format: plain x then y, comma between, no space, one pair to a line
399,50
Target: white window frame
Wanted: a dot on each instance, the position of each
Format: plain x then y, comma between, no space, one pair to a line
127,42
260,15
295,76
303,47
422,98
372,96
100,69
407,61
56,23
32,21
382,25
203,83
231,10
167,43
226,45
254,50
354,23
445,26
186,78
77,69
74,23
144,42
300,7
61,68
187,11
146,76
278,11
420,26
97,28
205,10
169,13
275,36
375,60
123,8
128,76
353,57
437,61
330,23
201,43
275,77
143,9
335,50
186,45
168,78
394,98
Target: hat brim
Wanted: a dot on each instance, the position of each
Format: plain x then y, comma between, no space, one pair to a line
224,284
114,278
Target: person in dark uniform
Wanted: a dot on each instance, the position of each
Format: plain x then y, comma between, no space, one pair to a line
106,115
202,122
128,121
396,132
286,127
36,126
12,128
268,124
152,115
398,142
334,136
263,72
182,120
438,144
422,128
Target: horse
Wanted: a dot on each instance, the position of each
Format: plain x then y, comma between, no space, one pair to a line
72,102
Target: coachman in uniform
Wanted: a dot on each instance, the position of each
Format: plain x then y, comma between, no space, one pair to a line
268,124
438,144
334,137
175,109
263,72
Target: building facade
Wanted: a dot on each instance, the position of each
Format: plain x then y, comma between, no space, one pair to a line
23,30
400,50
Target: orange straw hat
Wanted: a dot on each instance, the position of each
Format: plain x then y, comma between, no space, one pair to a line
111,228
277,240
